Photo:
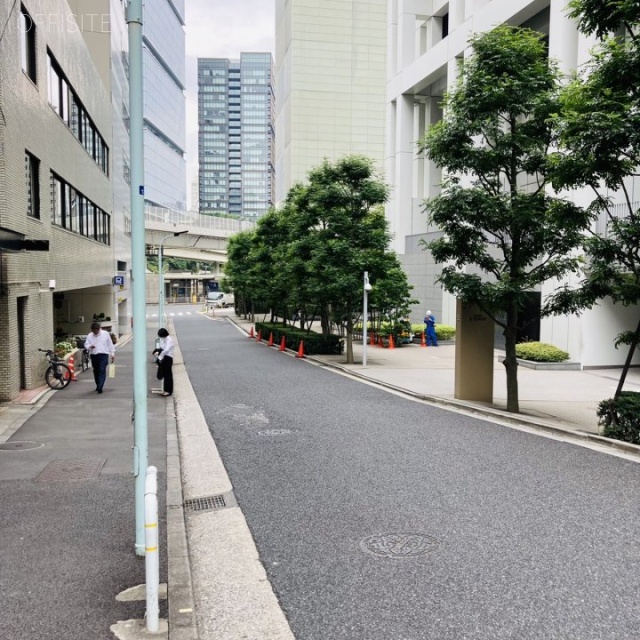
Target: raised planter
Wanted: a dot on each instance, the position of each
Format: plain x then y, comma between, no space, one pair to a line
550,366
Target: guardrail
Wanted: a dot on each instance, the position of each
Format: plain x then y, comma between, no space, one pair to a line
193,220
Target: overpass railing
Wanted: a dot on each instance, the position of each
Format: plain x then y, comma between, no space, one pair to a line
193,219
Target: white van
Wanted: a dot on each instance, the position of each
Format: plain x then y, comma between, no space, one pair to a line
219,299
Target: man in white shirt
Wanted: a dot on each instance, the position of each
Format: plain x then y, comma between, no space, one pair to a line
100,347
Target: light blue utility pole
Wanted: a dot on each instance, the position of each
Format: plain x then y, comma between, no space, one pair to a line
140,435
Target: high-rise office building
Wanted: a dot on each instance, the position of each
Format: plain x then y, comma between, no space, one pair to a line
165,169
236,135
331,84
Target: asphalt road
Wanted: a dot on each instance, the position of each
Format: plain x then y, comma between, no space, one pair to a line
381,518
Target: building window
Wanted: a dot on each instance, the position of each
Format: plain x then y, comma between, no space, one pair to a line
74,212
67,105
32,174
27,28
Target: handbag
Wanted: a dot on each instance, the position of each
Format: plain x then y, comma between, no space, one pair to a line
111,371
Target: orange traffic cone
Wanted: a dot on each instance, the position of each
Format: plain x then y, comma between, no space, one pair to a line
380,343
251,334
259,335
283,344
72,369
423,342
270,343
372,340
300,353
392,344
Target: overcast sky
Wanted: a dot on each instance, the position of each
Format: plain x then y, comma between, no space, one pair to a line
220,29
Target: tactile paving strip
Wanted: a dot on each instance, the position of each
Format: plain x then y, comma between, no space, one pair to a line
63,470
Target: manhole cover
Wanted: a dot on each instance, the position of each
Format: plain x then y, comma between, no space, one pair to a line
275,432
20,446
399,545
61,470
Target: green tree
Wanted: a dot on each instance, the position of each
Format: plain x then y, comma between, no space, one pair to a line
504,232
309,256
239,270
599,126
347,234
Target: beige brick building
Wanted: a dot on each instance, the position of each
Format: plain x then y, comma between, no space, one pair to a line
55,185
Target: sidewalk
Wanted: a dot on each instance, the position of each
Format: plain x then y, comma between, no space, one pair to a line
565,401
68,508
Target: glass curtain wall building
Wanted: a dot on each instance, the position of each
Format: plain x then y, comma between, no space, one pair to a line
165,169
236,135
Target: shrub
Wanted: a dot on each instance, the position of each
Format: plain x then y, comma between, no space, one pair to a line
540,352
314,343
445,332
621,419
63,347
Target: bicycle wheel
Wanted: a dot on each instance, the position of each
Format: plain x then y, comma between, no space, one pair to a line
84,361
58,376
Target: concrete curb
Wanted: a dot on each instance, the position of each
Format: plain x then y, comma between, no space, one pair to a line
182,619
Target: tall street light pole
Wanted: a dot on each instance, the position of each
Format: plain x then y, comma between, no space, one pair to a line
136,138
365,317
161,278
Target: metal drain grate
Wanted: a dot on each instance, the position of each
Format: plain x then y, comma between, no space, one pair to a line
206,503
18,445
63,470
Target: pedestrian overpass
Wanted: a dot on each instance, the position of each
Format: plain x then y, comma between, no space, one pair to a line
206,238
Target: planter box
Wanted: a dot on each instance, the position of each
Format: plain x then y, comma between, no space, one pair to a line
549,366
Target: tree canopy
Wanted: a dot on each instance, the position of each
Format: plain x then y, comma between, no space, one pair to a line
505,233
309,255
599,131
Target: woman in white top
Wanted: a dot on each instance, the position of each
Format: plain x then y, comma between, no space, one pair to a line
165,360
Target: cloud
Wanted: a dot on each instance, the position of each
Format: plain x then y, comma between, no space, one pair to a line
220,29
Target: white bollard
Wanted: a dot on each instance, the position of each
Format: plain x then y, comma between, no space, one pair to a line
152,555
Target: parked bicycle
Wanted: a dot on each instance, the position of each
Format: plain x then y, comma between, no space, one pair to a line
58,374
85,361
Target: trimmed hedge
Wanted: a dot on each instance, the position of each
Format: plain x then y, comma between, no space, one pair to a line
314,343
540,352
621,420
443,331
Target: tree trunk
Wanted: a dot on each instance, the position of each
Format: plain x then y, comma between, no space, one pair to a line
324,321
627,364
510,362
349,340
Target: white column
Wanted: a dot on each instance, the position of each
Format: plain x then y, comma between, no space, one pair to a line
406,43
563,37
456,14
404,157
